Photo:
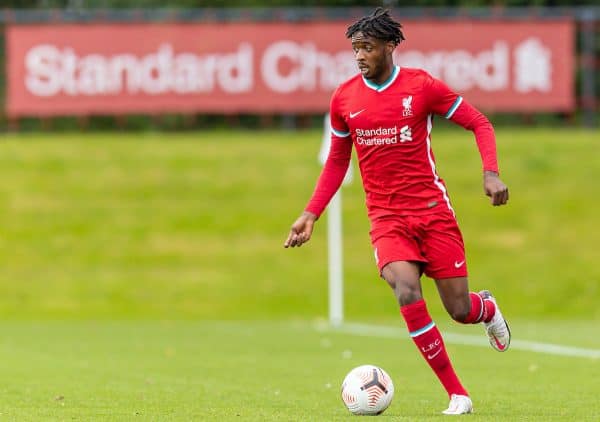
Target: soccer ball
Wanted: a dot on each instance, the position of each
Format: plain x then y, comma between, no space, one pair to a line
367,390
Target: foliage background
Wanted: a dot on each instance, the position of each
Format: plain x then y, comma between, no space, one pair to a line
279,3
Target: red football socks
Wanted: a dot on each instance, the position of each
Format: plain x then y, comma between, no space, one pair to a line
489,311
481,310
431,345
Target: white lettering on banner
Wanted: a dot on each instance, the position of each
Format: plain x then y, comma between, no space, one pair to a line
486,70
311,69
52,71
285,67
533,66
44,82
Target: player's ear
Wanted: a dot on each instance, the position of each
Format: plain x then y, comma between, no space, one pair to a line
389,47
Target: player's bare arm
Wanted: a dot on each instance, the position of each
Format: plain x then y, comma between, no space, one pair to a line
495,188
301,230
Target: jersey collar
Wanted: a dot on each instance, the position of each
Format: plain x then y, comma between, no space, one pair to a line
384,85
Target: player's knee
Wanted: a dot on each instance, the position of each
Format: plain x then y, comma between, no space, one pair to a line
405,292
408,296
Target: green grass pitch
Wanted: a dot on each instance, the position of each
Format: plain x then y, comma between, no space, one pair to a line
142,277
268,371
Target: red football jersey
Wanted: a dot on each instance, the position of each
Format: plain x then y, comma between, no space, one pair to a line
390,126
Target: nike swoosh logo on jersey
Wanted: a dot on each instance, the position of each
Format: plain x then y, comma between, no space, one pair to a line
353,115
434,355
458,264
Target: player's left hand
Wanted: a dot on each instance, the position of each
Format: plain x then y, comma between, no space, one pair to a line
495,188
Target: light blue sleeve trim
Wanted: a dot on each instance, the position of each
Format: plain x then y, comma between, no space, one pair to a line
457,102
340,134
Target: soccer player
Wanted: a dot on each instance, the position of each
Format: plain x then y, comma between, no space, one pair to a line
386,112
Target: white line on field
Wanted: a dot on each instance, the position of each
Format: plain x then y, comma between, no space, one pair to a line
462,339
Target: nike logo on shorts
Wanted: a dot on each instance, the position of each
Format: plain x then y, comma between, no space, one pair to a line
459,264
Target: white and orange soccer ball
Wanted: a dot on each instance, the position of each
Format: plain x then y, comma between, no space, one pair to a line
367,390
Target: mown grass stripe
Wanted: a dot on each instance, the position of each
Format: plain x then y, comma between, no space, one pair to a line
465,339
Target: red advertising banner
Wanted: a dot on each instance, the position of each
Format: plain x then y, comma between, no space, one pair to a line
273,67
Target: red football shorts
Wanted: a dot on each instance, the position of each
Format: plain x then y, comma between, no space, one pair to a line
433,240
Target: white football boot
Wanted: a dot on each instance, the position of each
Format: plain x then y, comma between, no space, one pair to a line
459,405
497,329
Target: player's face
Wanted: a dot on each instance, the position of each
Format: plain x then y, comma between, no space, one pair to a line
373,56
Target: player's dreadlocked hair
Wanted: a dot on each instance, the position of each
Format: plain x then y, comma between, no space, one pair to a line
379,25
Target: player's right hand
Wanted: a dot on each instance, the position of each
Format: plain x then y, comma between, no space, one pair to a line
301,230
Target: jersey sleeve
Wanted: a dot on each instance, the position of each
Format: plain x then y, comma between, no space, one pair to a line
339,128
337,162
443,101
